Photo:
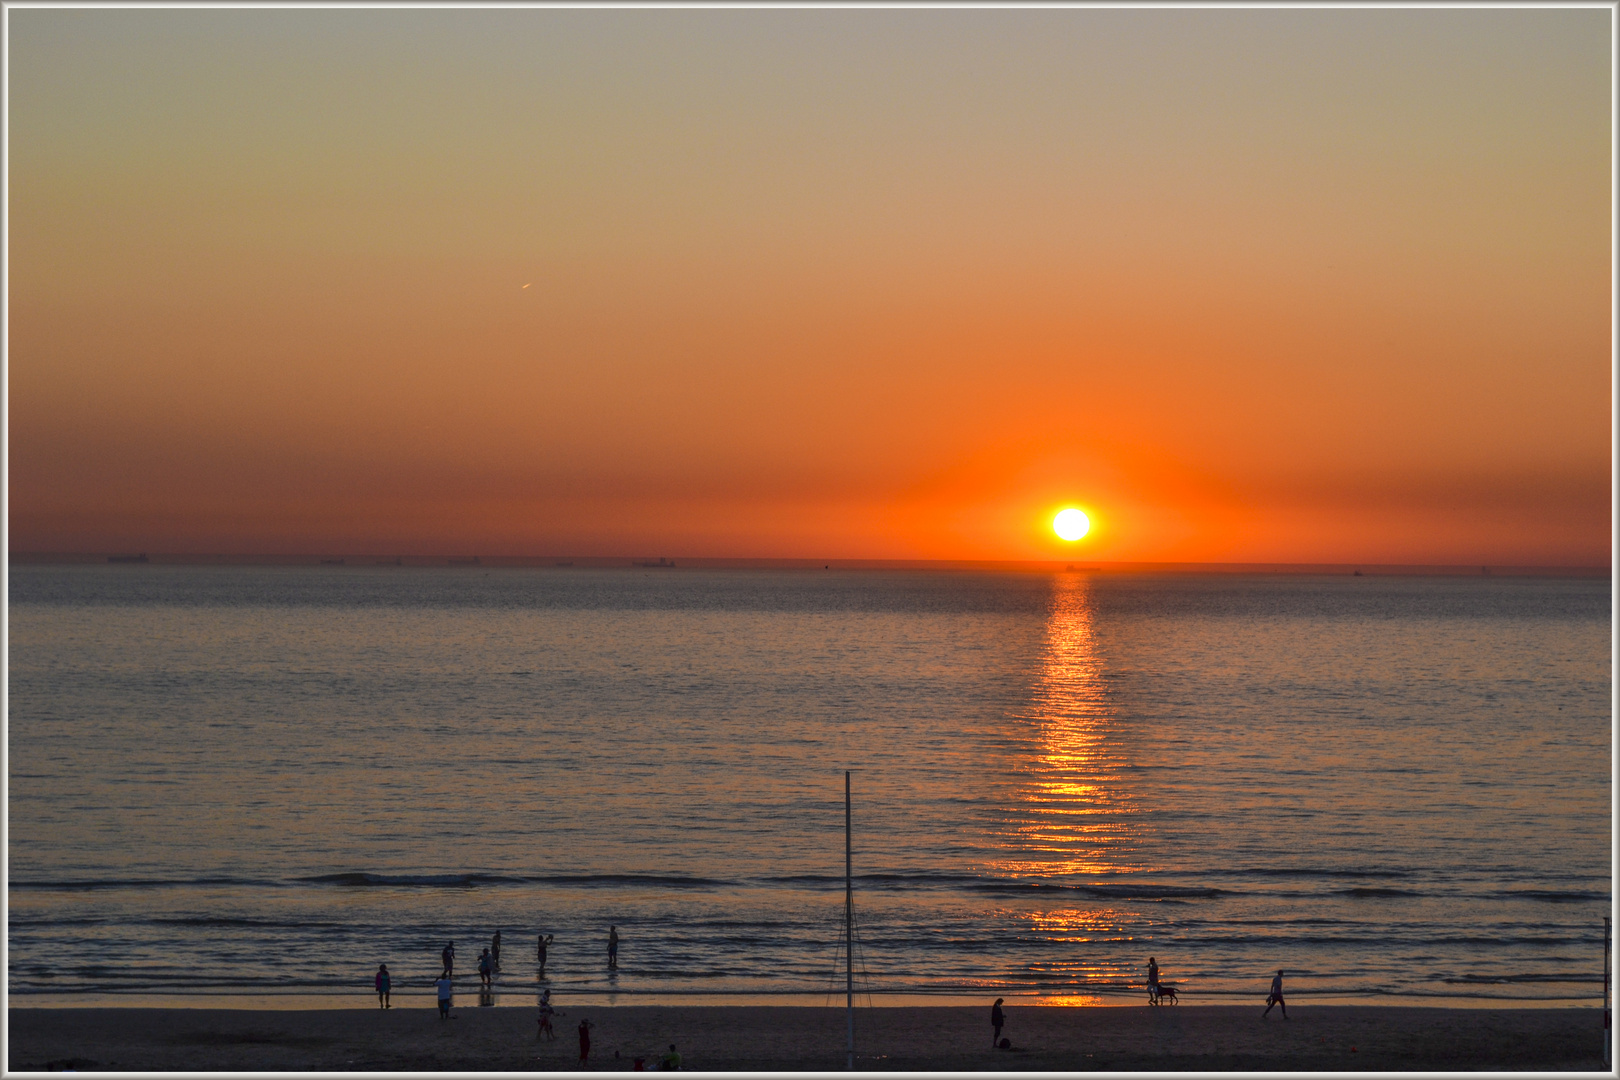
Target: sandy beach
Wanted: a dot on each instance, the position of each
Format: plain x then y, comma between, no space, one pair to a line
1185,1037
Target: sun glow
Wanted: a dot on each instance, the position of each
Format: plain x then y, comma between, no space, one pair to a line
1071,524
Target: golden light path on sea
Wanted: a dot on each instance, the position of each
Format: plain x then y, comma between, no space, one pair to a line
1073,814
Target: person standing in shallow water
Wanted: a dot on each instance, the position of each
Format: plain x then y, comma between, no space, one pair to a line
495,950
613,946
1276,997
1153,977
997,1019
540,951
448,955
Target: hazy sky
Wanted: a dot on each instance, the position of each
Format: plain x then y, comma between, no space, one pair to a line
1245,285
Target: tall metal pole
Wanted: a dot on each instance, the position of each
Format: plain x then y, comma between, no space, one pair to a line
1608,1037
849,927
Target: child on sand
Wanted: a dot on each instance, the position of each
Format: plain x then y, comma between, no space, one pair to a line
584,1041
383,985
672,1060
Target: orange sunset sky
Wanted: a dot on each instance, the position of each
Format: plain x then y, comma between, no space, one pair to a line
1282,285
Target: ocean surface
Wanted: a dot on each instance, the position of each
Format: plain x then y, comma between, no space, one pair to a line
270,780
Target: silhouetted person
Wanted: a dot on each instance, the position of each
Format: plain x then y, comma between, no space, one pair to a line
384,984
484,966
540,951
997,1019
546,1013
444,996
672,1060
1276,997
448,955
613,946
495,950
1153,979
584,1041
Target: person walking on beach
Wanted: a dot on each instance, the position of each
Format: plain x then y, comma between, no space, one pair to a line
384,983
613,946
448,955
484,965
1276,998
997,1018
495,950
546,1013
540,951
584,1041
443,984
1153,979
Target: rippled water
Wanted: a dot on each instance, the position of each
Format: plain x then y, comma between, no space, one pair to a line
276,778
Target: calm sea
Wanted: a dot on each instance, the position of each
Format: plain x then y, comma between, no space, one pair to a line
273,779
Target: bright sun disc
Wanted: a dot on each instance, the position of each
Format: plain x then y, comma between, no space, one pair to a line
1071,524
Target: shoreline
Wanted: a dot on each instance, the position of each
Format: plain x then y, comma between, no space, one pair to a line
508,997
780,1037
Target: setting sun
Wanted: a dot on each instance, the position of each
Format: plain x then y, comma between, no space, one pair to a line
1071,524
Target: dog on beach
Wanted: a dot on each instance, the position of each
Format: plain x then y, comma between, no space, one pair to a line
1162,993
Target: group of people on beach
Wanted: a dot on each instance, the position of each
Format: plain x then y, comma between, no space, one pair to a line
489,965
489,962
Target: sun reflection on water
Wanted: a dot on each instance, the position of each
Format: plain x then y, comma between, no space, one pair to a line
1090,922
1073,814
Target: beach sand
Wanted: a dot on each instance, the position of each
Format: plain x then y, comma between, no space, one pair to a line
1183,1037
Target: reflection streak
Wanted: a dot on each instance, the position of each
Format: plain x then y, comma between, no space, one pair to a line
1073,815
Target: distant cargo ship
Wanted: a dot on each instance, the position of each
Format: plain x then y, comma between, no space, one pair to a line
663,563
127,558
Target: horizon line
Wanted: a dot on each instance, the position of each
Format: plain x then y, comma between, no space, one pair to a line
693,562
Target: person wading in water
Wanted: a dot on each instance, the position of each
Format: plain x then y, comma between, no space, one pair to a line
540,951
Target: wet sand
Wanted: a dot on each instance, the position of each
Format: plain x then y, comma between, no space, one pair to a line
1183,1037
